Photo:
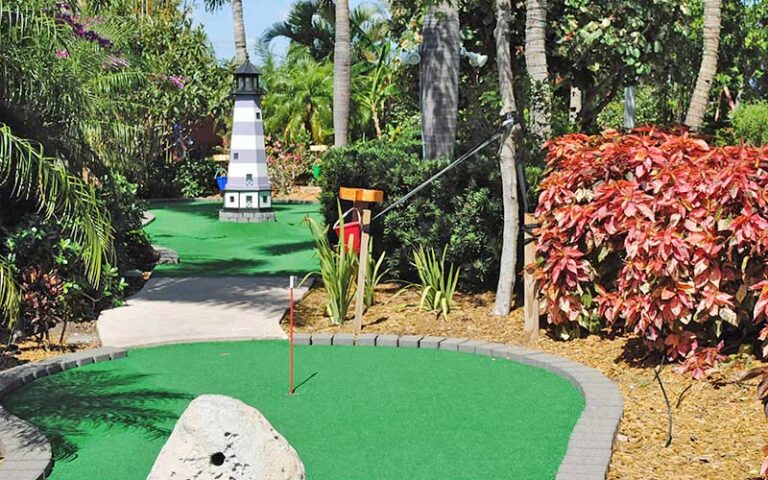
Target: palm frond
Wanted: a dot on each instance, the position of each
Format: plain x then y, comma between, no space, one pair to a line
9,294
29,175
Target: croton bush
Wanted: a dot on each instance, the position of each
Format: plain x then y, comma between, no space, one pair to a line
657,234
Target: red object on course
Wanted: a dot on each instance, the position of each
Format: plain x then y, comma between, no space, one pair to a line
353,228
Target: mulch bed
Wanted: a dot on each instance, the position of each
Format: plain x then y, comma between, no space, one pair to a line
718,426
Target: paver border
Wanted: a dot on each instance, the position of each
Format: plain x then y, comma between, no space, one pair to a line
590,446
587,457
26,450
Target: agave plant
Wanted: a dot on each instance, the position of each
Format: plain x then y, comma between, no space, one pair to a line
374,276
338,268
437,280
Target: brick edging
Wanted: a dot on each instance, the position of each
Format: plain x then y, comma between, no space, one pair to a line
26,450
589,448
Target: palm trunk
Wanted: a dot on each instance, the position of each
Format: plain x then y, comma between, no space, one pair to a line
241,49
508,265
536,64
439,78
341,75
698,106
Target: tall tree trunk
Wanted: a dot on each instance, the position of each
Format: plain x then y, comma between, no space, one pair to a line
341,75
508,265
439,78
698,106
241,50
536,64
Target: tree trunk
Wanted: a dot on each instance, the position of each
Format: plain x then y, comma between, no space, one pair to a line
698,106
241,50
341,75
508,267
630,109
536,64
439,78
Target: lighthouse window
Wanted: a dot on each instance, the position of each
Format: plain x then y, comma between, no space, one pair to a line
248,201
231,199
258,115
237,155
249,179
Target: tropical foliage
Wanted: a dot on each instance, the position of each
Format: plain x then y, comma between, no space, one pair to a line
437,280
88,91
657,234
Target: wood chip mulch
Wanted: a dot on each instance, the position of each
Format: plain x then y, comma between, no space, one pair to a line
718,426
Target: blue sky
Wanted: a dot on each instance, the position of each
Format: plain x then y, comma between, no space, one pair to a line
259,15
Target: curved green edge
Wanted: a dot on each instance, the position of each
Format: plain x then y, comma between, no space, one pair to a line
359,413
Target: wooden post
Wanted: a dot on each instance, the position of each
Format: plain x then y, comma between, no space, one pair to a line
362,271
362,200
531,306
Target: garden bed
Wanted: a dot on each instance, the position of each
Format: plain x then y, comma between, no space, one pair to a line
718,427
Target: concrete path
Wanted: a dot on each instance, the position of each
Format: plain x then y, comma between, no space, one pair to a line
199,308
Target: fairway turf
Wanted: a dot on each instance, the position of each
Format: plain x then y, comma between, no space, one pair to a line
359,413
208,247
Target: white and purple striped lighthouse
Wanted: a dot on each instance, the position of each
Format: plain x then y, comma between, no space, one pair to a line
248,194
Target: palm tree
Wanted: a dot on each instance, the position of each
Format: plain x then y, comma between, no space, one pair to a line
342,82
698,106
71,125
536,64
309,23
299,98
312,23
439,78
241,49
511,231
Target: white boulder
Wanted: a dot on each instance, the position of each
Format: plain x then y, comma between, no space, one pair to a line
222,438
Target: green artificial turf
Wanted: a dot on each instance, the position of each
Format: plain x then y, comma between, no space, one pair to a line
359,413
208,247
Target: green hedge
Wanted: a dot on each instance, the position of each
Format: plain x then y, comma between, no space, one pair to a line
462,209
750,123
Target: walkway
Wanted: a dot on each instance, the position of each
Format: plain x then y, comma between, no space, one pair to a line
230,283
199,308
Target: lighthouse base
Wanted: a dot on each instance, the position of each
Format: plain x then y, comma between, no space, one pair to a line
246,216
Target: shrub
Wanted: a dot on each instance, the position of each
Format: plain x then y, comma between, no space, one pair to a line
750,123
461,210
286,164
196,177
657,234
437,280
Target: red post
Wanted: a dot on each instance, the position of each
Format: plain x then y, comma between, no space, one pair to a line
290,347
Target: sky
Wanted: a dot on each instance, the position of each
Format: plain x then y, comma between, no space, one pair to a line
259,15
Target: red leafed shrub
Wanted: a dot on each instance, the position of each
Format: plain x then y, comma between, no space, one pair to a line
658,234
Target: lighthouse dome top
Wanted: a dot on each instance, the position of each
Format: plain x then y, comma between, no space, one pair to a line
247,80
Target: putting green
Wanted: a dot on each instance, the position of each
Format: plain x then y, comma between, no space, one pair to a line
208,247
358,413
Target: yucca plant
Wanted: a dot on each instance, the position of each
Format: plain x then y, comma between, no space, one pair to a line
338,269
374,275
437,280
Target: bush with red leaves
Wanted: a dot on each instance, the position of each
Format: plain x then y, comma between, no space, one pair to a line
658,234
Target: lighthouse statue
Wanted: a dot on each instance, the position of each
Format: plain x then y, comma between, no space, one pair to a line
248,193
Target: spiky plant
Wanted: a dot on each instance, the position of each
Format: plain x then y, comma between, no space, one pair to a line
437,280
338,268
